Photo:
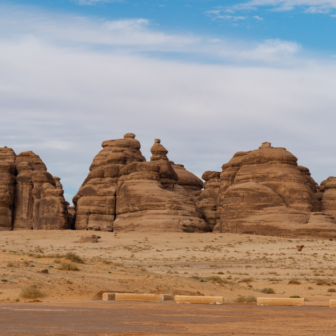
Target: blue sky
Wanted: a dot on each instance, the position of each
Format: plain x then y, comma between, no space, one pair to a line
208,77
310,23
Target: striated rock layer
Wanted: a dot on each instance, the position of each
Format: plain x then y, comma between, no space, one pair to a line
7,186
30,197
264,192
124,193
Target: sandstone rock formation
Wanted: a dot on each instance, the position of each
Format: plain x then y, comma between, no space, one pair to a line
328,202
7,185
124,193
264,192
190,182
149,199
39,201
208,198
95,201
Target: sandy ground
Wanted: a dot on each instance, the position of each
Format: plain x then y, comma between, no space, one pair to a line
179,263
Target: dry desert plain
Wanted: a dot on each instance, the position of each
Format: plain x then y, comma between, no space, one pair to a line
237,267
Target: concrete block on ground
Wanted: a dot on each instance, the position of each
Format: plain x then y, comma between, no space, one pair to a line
199,299
137,297
332,303
280,302
108,296
167,297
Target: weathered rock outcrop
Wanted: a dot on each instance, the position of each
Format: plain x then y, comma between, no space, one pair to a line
264,192
7,185
328,202
208,198
95,201
149,199
39,201
29,197
190,182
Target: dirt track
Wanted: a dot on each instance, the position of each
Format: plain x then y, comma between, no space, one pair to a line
169,318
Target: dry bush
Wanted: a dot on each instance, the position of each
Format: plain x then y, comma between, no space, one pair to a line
321,282
10,264
26,263
220,273
294,282
268,291
331,290
215,278
31,292
246,280
74,258
247,299
68,267
57,261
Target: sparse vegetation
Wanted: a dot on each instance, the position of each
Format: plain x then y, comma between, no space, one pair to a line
295,297
268,291
10,264
294,282
246,280
215,278
31,292
74,258
188,231
68,267
331,290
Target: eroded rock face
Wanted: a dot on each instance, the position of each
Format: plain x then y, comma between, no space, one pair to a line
264,192
149,199
39,201
95,201
328,202
190,182
7,185
207,201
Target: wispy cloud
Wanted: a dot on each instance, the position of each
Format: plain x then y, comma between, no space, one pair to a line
308,6
94,2
138,36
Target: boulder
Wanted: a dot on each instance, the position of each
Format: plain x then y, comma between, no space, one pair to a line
7,187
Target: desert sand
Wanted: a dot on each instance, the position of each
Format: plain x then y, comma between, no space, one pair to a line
230,265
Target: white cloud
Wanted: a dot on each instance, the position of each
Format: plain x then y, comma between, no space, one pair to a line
94,2
258,18
61,97
134,36
309,6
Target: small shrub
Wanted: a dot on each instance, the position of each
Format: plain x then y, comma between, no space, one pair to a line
321,282
268,291
74,258
220,273
294,282
31,292
188,231
10,264
247,299
331,290
215,278
295,297
68,267
246,280
26,263
57,261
